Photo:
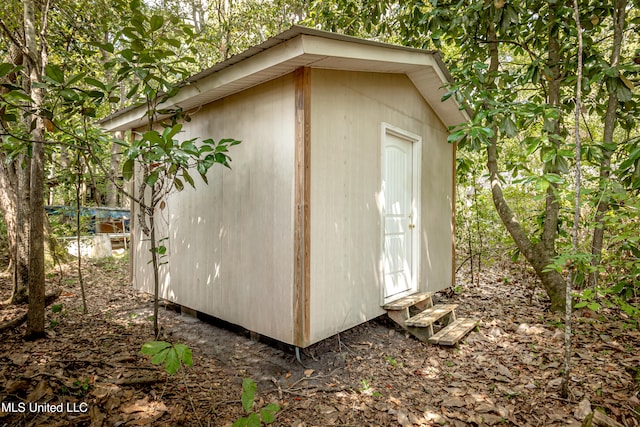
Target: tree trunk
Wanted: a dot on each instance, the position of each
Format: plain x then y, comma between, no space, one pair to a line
619,21
14,198
36,61
8,205
541,254
537,255
23,227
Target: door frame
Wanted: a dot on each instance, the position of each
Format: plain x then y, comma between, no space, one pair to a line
416,207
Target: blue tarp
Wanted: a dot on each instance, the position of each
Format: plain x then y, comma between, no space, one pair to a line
97,214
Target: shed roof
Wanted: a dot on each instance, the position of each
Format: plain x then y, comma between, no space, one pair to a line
306,47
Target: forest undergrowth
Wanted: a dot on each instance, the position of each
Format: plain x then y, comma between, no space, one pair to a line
506,372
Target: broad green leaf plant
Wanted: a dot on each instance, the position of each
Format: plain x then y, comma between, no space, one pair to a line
173,356
254,418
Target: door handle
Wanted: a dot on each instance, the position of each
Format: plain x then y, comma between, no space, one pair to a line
412,226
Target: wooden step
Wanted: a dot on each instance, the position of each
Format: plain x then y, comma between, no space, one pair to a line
409,301
431,315
453,332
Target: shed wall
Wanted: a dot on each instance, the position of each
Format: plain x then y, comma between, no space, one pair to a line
231,242
347,109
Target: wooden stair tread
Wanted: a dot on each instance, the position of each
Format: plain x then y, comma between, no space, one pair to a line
452,333
431,315
408,301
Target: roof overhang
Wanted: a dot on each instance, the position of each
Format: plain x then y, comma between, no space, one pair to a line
305,47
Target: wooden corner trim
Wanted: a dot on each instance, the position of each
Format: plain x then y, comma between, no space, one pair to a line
302,213
453,216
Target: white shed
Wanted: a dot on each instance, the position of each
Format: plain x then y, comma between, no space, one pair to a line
341,195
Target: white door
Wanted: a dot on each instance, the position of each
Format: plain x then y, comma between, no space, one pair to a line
399,189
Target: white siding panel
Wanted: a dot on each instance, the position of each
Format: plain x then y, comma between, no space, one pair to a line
231,245
347,111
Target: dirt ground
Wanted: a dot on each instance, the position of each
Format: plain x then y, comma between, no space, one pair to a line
506,372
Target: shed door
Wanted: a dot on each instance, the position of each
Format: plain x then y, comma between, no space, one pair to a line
400,189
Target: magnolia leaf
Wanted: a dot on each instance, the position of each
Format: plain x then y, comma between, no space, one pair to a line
508,126
69,95
5,69
623,93
96,83
628,83
19,94
456,136
156,22
54,73
76,78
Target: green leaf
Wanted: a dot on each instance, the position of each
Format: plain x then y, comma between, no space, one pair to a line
249,389
127,169
179,184
554,178
19,95
153,136
594,306
190,148
253,420
96,83
153,347
133,90
228,141
153,177
268,413
156,22
581,304
172,363
456,136
188,178
242,422
5,69
160,357
69,94
170,132
104,46
202,168
75,78
54,73
447,95
184,353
